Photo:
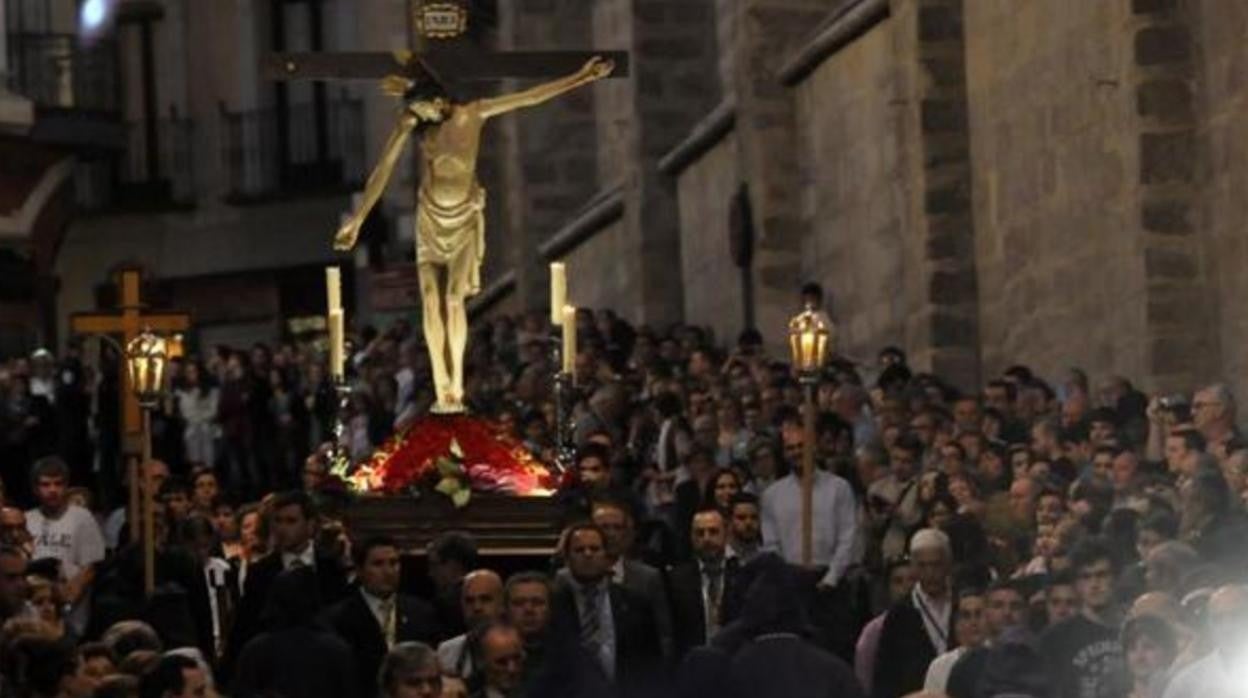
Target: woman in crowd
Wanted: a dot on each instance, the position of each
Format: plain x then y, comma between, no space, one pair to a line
197,401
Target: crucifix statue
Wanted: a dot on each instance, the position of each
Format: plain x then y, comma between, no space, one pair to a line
450,221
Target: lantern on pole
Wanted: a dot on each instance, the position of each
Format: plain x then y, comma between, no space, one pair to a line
146,358
810,333
147,355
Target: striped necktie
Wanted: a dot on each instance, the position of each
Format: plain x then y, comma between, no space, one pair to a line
591,618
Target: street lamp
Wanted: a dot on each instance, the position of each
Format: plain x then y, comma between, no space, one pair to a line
810,333
147,355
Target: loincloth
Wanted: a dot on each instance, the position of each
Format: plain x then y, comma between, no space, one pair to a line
454,237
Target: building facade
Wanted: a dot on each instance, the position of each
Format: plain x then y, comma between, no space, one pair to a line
981,182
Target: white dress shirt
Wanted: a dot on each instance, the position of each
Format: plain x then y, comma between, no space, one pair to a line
455,658
375,605
835,525
940,668
307,557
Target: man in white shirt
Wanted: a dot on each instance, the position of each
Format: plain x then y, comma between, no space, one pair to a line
64,531
835,515
482,600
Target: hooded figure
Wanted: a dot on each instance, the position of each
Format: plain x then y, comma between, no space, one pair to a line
295,656
767,651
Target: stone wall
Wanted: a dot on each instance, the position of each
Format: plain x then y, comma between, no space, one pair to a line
1219,219
1055,148
550,152
852,199
596,276
714,288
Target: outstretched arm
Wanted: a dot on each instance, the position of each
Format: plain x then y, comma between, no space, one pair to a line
350,230
595,69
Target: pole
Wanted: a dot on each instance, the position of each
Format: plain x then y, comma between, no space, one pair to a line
135,513
808,473
149,509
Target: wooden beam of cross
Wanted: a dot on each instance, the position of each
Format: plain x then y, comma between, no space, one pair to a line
126,323
443,56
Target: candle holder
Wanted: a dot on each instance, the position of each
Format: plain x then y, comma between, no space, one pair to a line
565,427
565,401
340,455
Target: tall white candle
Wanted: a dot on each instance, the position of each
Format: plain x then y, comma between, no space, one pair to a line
558,292
335,323
569,341
337,348
333,288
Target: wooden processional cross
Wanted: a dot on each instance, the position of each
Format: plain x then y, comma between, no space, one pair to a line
126,323
442,54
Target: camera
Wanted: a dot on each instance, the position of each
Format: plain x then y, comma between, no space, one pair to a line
1173,402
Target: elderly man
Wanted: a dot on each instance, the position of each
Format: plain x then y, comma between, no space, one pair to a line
502,659
1213,413
916,630
482,600
411,670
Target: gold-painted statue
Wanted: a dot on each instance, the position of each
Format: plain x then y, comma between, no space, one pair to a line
450,220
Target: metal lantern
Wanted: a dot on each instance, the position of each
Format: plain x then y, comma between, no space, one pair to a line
146,357
810,332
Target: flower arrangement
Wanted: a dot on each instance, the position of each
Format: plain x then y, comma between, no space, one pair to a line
454,455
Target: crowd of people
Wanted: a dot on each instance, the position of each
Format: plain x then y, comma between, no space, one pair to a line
1061,538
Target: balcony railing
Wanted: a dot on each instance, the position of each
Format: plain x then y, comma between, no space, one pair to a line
172,180
61,71
126,180
253,153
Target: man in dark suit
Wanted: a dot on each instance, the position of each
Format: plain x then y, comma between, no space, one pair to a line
601,627
916,629
376,617
700,587
617,522
294,525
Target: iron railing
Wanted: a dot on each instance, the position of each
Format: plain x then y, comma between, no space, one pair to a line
63,71
174,166
252,150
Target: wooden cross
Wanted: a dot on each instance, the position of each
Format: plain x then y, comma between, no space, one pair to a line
442,55
126,323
